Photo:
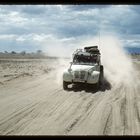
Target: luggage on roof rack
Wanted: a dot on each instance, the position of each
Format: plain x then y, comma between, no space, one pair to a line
89,47
92,49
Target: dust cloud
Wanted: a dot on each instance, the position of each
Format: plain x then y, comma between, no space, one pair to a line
118,66
62,65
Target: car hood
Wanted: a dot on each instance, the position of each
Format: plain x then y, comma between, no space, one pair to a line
81,67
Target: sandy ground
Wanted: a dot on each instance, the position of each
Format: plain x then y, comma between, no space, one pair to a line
33,102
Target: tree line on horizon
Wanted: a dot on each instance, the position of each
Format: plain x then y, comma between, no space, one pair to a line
24,52
135,53
40,52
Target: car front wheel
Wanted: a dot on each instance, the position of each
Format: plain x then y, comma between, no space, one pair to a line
65,85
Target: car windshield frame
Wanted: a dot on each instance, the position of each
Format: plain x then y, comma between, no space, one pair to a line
85,60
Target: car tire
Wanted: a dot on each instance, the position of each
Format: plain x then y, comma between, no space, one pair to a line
101,78
97,85
65,85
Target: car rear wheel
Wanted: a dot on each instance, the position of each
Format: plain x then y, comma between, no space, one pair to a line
97,86
101,78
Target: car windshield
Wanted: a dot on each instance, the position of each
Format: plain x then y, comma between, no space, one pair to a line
85,60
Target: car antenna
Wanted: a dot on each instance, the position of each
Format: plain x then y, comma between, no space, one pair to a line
99,39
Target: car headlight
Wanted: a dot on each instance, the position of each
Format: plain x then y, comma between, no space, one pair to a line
90,71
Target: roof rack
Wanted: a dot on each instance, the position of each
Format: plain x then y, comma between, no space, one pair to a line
92,49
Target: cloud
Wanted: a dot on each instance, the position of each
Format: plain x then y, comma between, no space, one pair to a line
34,25
86,7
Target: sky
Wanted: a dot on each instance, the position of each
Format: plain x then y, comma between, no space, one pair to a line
34,27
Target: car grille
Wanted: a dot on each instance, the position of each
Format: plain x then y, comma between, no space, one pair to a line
79,75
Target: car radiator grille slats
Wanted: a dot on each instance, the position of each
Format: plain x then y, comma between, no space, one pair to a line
79,75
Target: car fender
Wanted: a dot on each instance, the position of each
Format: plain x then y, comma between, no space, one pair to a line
67,76
94,77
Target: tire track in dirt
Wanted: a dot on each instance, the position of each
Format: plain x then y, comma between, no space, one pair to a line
51,110
20,114
89,109
15,118
108,124
76,110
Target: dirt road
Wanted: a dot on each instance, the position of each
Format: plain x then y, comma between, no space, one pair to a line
39,106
